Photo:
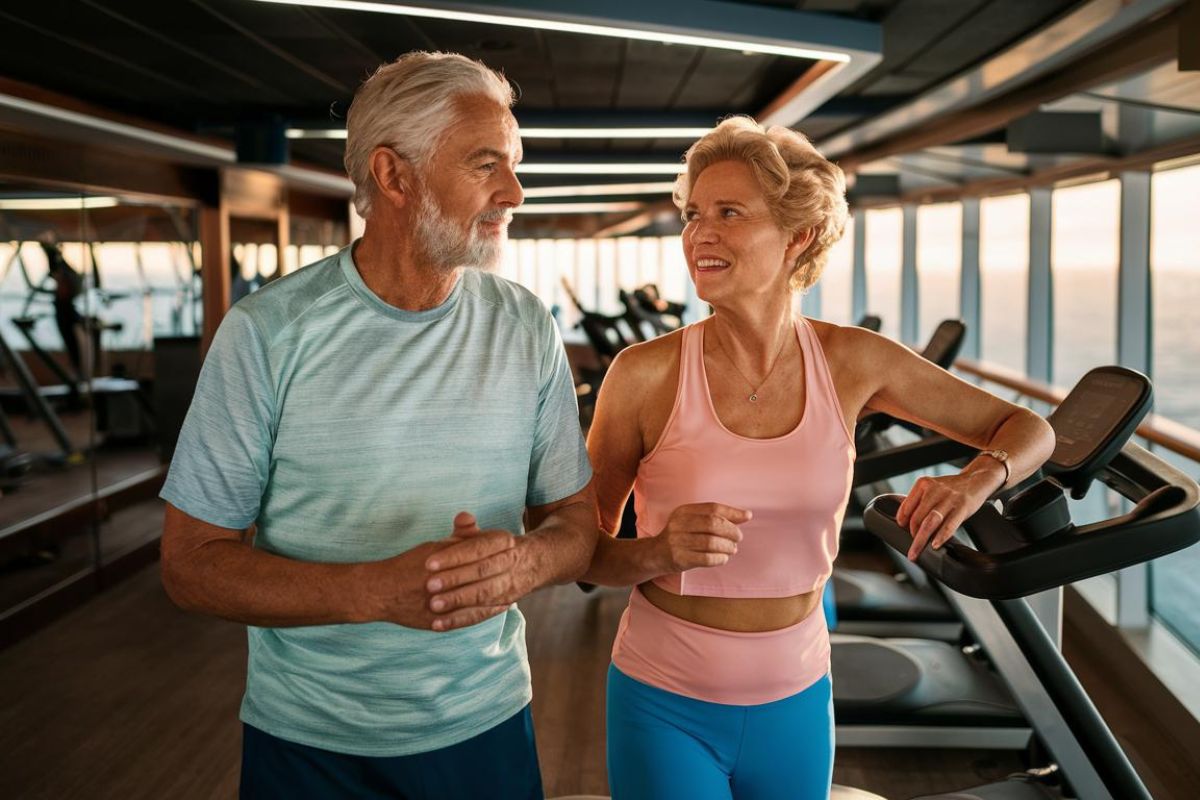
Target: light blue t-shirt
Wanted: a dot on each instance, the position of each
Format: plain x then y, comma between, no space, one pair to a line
349,430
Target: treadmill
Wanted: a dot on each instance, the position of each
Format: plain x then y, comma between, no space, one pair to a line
895,691
1005,571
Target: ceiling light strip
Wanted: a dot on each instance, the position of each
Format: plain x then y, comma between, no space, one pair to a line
576,208
599,169
599,189
746,46
542,133
56,203
613,133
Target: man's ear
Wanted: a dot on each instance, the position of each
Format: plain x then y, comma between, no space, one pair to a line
800,241
393,176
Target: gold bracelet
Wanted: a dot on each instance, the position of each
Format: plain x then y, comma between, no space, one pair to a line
1002,457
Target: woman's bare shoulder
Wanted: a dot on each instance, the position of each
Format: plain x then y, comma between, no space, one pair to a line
840,341
650,361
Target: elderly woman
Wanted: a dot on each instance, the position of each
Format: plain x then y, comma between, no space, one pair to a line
736,433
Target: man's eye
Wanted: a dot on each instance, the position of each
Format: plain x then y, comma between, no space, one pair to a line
488,167
729,212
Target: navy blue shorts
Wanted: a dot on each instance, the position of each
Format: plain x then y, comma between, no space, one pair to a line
500,762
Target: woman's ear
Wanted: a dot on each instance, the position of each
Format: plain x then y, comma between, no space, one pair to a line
800,241
393,176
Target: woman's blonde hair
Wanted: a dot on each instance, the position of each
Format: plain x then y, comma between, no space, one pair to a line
803,189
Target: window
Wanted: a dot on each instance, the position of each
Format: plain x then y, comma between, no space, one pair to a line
1085,247
939,265
1175,276
1004,279
837,281
885,229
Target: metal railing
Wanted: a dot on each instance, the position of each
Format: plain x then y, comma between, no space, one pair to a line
1156,429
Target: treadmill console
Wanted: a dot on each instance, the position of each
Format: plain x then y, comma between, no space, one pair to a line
1093,423
944,344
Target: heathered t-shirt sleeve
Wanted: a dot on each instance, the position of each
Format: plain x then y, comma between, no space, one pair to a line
559,465
222,461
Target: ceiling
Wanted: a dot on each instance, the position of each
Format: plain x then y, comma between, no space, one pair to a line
205,66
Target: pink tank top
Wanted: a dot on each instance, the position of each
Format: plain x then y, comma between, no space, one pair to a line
796,485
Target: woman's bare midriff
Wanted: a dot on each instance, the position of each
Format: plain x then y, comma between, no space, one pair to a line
741,614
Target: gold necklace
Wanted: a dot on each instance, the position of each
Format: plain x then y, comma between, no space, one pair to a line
753,398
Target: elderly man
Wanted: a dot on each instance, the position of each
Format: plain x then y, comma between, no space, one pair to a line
352,475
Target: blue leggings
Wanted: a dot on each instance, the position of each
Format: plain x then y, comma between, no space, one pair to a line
664,746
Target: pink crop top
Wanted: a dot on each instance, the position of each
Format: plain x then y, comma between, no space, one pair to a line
796,485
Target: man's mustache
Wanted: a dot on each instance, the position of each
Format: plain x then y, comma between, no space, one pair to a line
496,215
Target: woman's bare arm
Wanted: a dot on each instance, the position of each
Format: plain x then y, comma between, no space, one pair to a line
904,385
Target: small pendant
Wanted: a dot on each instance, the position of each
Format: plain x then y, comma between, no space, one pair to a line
754,398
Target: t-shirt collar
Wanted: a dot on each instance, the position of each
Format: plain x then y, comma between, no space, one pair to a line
373,301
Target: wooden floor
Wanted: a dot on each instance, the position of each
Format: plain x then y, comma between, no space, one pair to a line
127,697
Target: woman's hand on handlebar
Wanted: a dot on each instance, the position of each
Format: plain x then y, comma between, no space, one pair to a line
936,507
698,535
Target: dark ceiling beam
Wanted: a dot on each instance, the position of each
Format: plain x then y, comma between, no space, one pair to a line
777,108
85,167
274,49
1189,36
1055,132
32,111
967,161
1101,168
175,44
623,225
915,169
875,185
1138,103
858,106
1152,46
1091,30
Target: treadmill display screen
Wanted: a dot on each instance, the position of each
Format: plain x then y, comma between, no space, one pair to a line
944,340
1091,414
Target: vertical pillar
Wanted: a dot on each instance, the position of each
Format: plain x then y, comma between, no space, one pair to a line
1135,337
969,284
1039,350
859,267
214,268
1134,334
910,310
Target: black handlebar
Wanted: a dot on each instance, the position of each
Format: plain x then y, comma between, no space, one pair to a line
1028,550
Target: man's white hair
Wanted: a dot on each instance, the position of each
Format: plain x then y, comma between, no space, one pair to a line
408,105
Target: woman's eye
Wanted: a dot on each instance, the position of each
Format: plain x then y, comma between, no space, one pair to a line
729,212
690,215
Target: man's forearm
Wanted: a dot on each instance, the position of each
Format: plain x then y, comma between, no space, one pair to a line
560,548
234,581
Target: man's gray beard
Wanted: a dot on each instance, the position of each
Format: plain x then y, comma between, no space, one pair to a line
446,247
